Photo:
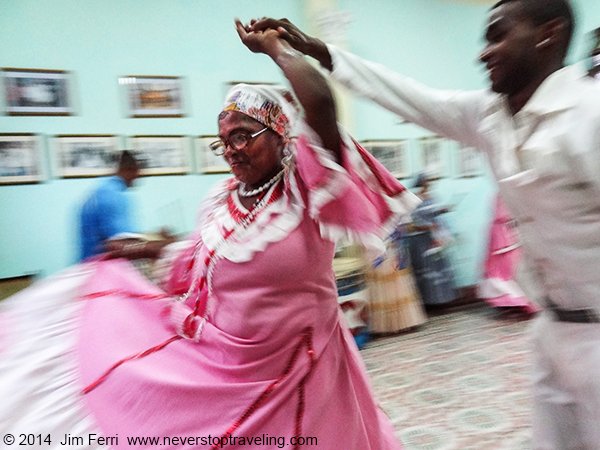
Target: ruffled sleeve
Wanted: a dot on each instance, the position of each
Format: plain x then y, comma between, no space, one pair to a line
355,200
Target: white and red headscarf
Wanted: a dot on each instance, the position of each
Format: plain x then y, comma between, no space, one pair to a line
273,106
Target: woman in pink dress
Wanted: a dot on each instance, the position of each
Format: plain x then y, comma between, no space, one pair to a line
498,287
242,346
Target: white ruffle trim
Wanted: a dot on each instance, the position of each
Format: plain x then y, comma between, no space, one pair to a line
281,217
401,205
497,287
40,387
273,224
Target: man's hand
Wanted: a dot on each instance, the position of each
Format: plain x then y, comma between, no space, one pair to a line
299,40
125,248
135,248
287,30
166,234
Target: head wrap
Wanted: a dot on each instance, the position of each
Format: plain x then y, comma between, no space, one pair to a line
273,106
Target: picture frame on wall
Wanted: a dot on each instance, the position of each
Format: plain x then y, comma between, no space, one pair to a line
470,162
79,155
20,158
432,157
153,96
161,155
207,161
392,153
37,92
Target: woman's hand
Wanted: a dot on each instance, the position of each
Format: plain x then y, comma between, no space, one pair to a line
266,41
286,30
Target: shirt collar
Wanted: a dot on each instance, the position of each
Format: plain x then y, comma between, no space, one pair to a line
556,93
118,181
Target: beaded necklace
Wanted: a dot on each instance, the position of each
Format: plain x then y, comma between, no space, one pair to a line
244,193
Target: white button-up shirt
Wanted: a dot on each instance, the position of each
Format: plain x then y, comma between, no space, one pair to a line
546,159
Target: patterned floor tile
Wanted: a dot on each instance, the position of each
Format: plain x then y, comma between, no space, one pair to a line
462,381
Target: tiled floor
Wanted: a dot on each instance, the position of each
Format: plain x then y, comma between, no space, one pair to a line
459,382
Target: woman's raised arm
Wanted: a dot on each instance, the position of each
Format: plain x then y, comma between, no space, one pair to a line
309,86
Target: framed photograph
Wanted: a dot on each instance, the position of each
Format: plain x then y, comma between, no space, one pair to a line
85,155
470,162
393,154
161,155
432,156
207,161
153,96
37,92
20,158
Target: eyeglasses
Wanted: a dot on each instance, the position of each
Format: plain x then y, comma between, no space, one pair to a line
238,140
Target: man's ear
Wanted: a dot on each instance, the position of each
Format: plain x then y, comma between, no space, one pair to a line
552,33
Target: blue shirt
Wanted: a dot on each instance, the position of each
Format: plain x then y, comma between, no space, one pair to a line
104,214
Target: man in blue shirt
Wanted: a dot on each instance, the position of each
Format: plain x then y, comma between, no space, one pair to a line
106,213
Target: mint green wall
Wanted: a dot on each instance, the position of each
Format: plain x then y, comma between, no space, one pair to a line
588,16
100,41
433,40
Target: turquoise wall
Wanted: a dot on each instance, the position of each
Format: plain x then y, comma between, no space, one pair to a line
588,17
98,41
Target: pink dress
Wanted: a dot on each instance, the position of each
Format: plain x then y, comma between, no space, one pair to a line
498,287
253,356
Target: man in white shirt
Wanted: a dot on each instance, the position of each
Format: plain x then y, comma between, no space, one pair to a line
540,128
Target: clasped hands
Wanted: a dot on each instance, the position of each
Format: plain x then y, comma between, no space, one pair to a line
133,248
261,35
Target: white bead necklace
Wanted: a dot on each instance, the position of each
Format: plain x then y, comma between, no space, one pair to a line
258,190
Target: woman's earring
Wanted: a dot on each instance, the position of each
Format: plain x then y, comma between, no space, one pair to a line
286,161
